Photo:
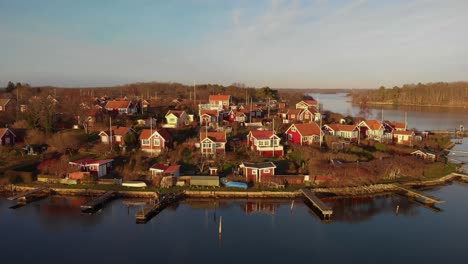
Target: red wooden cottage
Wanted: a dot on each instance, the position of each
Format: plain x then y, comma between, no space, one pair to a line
7,137
403,137
6,105
155,141
304,134
307,104
371,129
258,172
209,117
212,143
265,142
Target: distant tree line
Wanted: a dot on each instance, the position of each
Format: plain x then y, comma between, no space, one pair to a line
431,94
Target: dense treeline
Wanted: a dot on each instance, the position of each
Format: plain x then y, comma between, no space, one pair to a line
433,94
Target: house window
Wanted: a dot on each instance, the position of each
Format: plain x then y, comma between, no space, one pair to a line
254,172
305,138
1,108
293,116
157,142
266,171
145,142
293,129
206,145
118,138
219,145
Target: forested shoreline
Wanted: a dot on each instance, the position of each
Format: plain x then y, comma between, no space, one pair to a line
453,94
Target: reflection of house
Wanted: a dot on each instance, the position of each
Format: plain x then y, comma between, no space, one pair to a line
371,129
176,119
212,143
221,100
403,137
349,132
155,141
266,143
121,107
304,134
307,104
7,137
258,172
426,155
118,135
163,170
99,168
252,207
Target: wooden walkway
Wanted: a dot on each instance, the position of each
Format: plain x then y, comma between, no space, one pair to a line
98,201
418,194
26,195
326,210
151,210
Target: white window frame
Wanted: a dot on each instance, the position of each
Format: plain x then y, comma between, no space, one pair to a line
145,142
254,172
157,142
266,171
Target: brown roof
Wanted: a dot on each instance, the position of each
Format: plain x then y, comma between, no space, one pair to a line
373,124
294,112
146,133
261,134
240,113
407,133
397,125
341,127
219,97
4,101
214,136
118,104
310,102
4,130
308,129
209,112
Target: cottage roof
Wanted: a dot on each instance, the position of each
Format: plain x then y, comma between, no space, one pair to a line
219,97
161,167
397,125
209,112
116,104
260,165
177,113
310,102
308,129
4,101
214,136
147,133
4,130
341,127
294,112
262,134
86,161
373,124
406,133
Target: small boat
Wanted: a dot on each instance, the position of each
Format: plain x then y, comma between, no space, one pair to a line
233,184
136,184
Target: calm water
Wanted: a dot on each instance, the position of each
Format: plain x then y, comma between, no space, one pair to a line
422,118
363,229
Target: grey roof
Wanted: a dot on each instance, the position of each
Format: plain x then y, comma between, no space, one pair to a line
260,165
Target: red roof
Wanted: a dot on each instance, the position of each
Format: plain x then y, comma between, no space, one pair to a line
397,125
4,130
307,129
341,127
262,134
146,133
294,112
118,104
373,124
310,102
214,136
407,133
209,112
219,97
166,169
3,101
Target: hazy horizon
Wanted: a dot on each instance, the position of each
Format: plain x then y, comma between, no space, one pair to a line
296,44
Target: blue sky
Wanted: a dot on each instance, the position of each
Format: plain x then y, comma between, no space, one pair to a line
296,44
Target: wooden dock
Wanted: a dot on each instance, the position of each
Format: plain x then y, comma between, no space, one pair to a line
326,210
26,197
418,194
98,201
153,209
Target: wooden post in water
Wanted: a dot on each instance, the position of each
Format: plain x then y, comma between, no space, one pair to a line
397,209
220,226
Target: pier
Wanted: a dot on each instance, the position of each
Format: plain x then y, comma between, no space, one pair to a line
326,210
430,200
98,201
153,209
28,196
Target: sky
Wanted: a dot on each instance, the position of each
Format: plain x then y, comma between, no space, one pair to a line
281,44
